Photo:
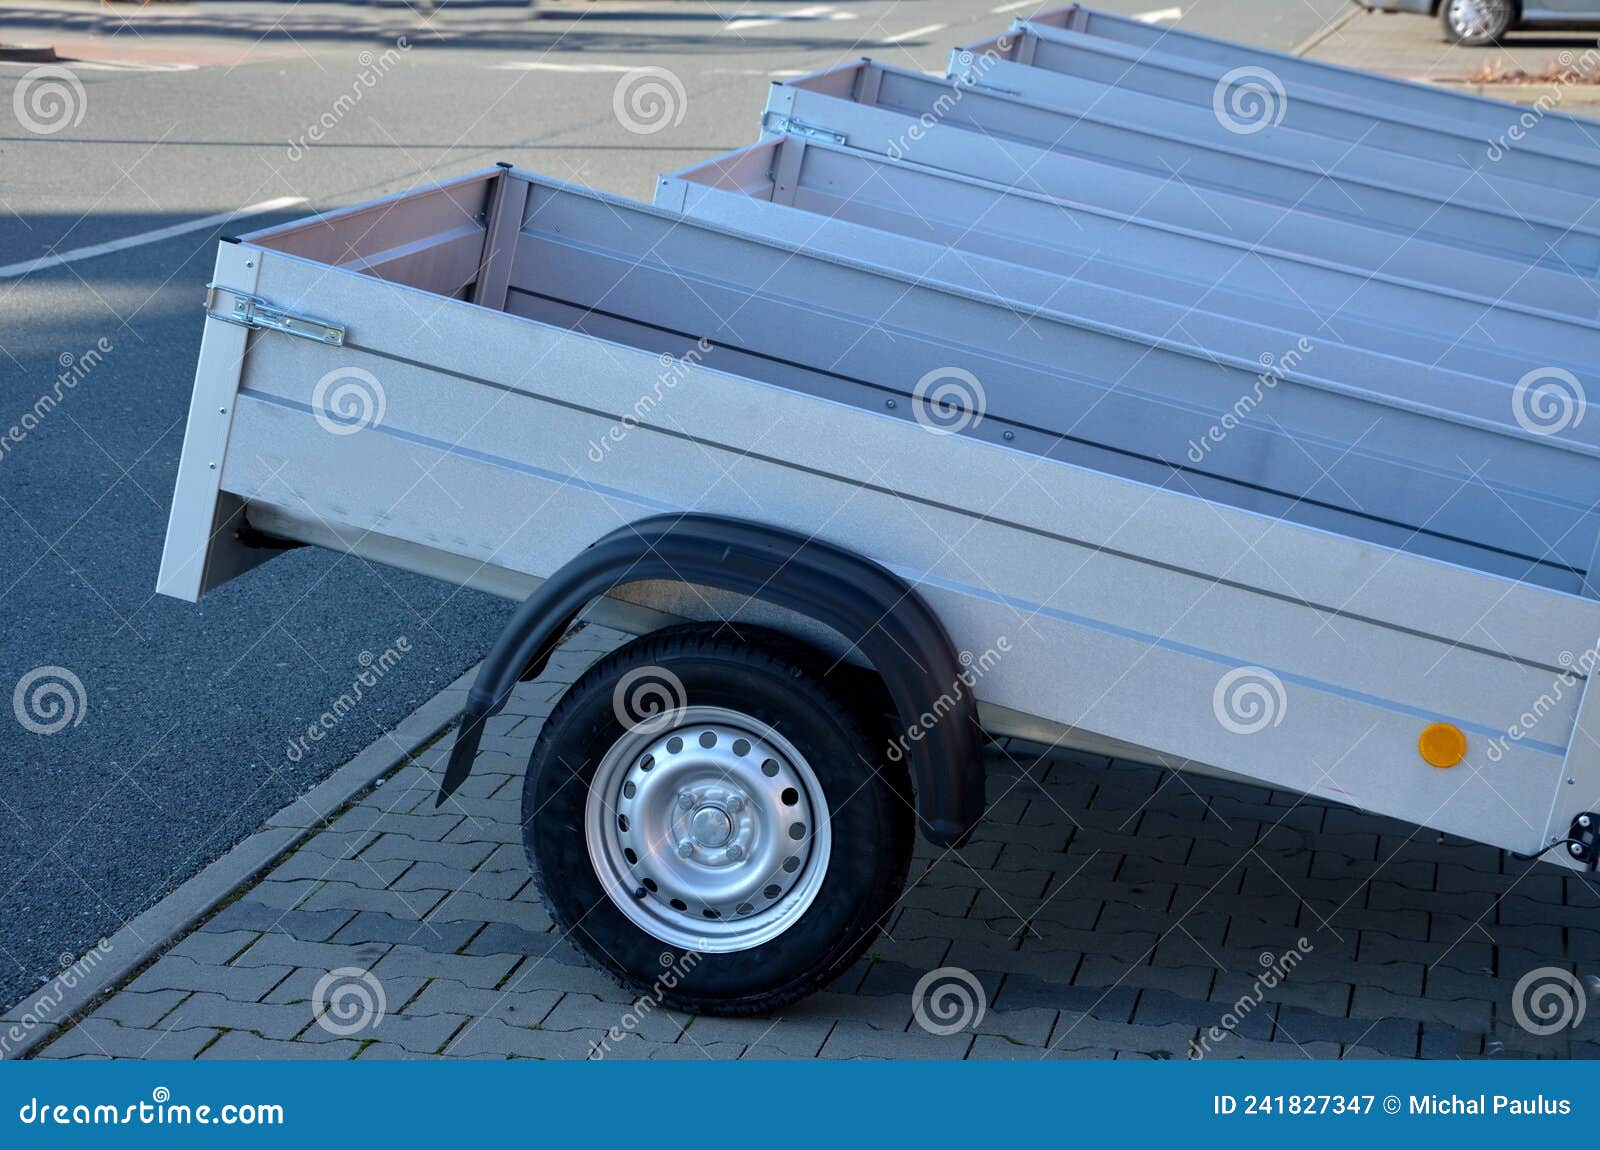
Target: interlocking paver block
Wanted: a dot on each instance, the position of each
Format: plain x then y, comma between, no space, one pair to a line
239,1045
140,1010
370,926
248,915
270,1020
473,970
240,983
854,1040
103,1037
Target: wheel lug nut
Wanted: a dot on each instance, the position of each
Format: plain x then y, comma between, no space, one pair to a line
685,848
735,853
686,801
735,805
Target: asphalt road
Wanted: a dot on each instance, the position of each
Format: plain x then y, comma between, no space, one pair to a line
177,746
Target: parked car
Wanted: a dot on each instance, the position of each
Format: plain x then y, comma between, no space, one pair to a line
1479,22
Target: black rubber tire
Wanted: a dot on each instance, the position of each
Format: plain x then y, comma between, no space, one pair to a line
775,680
1491,36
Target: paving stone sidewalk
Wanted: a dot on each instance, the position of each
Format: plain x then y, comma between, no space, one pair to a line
1107,910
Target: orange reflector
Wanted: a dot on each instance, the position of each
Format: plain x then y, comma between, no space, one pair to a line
1442,745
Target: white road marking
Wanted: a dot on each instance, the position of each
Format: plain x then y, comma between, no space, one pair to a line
104,65
743,20
1016,4
914,34
543,66
1159,15
12,271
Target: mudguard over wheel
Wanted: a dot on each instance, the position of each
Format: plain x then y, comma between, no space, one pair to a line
712,819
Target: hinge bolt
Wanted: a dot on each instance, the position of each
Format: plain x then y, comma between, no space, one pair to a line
1576,849
1584,821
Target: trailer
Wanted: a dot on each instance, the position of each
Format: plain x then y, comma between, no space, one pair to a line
1285,289
1006,139
840,576
1387,99
1274,113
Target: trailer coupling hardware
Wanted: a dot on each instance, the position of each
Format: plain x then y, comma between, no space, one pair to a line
254,312
1582,842
789,126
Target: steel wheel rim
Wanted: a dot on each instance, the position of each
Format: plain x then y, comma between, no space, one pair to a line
712,835
1470,19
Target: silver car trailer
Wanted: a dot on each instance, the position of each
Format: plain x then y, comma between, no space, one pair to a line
1559,133
1270,111
848,103
1130,253
1238,137
616,410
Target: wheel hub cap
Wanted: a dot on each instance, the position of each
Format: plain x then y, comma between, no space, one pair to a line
712,835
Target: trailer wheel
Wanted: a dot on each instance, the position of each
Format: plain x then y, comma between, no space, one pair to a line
1476,23
708,819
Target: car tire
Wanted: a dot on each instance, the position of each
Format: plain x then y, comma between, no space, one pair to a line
676,751
1476,23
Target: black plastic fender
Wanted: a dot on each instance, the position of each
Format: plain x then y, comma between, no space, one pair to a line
874,609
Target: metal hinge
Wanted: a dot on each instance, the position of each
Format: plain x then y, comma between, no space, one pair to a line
254,312
790,126
974,81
